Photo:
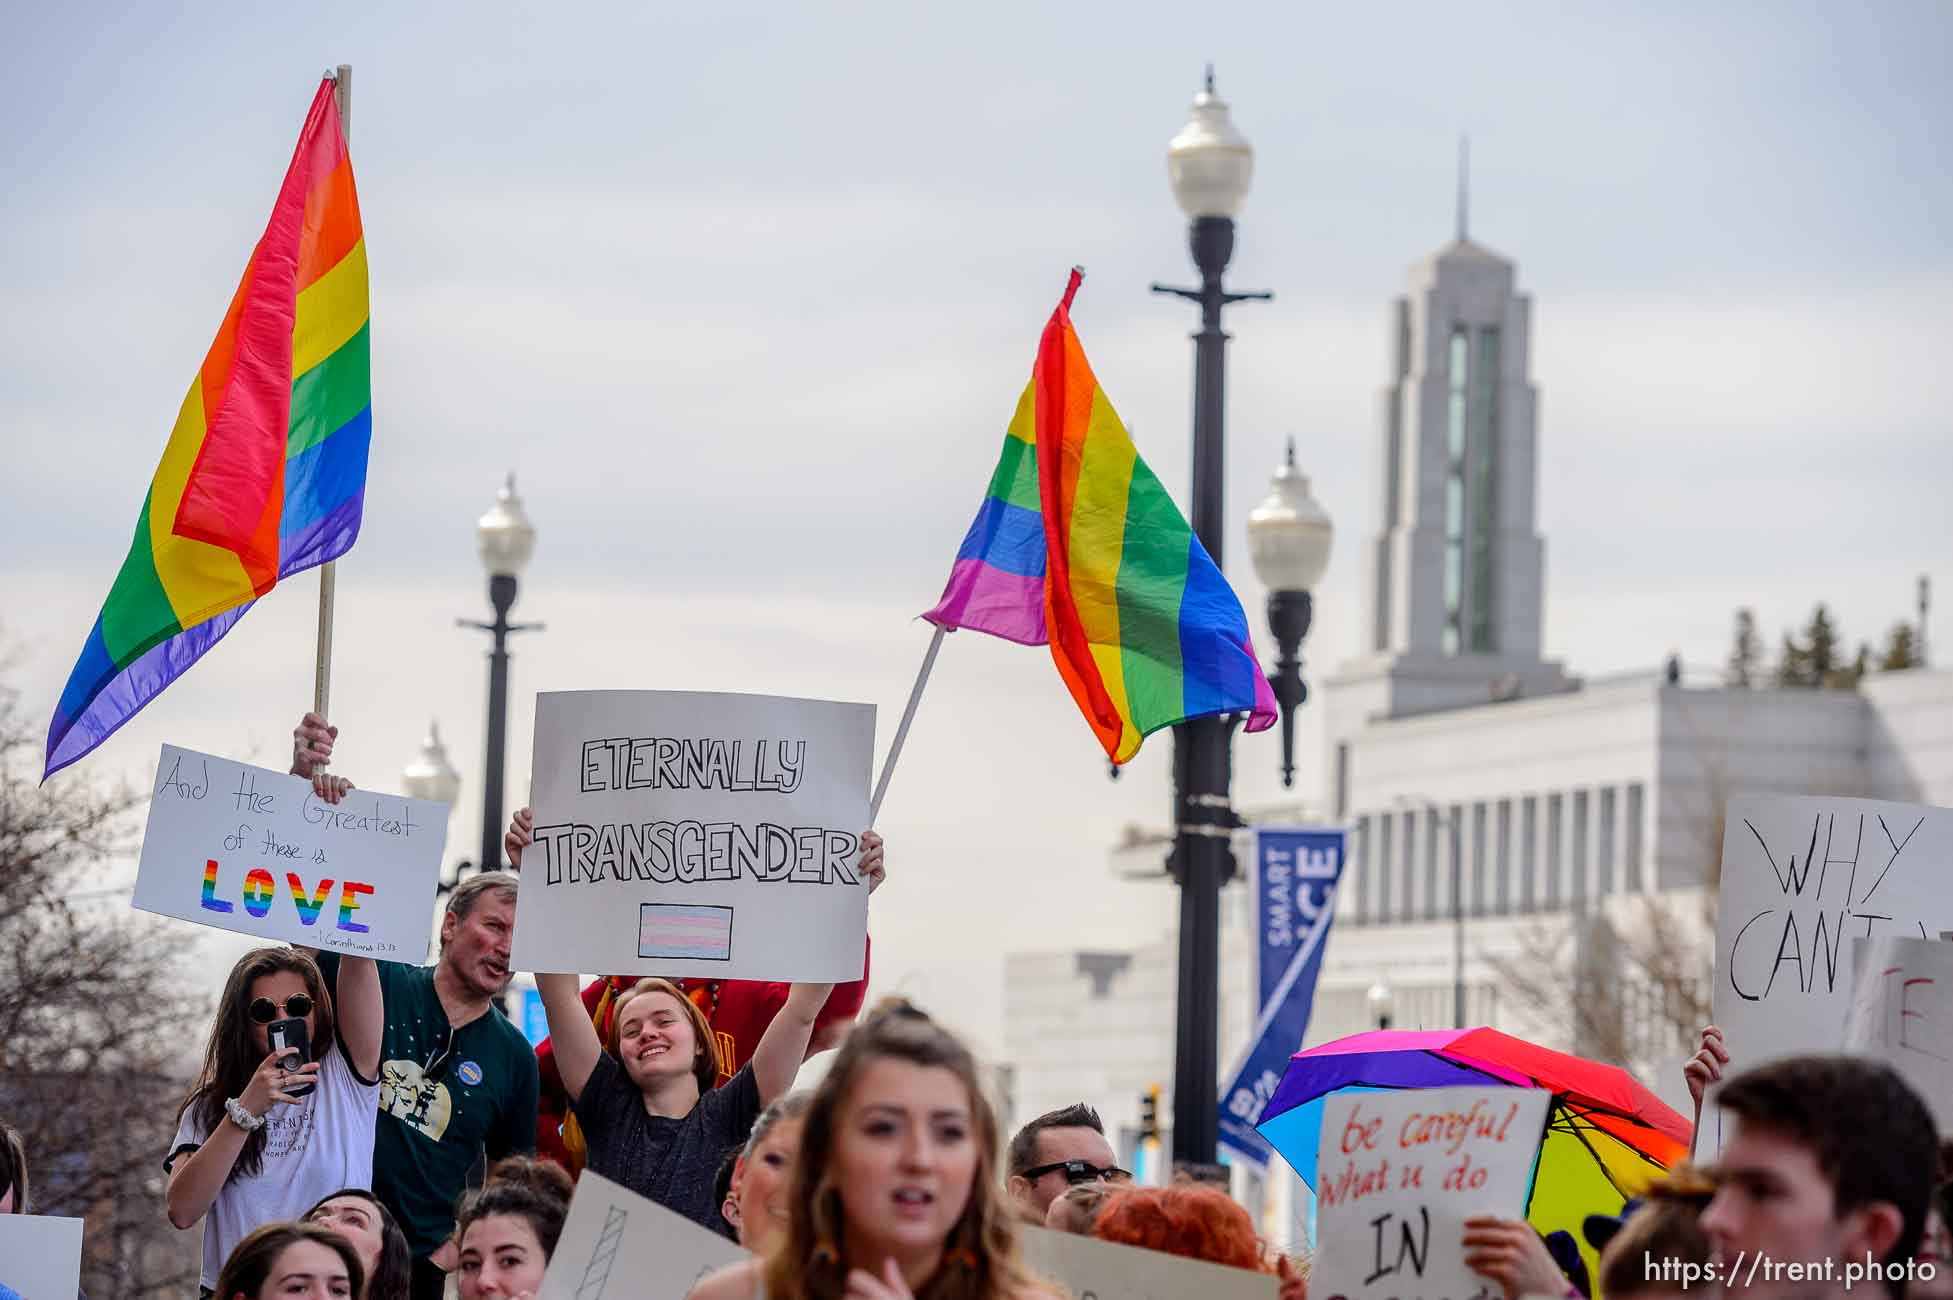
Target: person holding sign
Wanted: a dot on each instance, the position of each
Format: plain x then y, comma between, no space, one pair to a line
273,1126
651,1118
457,1081
1511,1253
896,1193
737,1011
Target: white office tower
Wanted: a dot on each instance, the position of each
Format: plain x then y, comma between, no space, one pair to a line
1454,577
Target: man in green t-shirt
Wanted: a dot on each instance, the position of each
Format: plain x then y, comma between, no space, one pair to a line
457,1080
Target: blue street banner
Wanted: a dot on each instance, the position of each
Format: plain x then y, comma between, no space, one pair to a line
1296,870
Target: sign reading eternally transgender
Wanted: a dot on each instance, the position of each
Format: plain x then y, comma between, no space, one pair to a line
693,833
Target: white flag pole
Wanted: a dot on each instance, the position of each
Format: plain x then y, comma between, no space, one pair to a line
902,731
342,94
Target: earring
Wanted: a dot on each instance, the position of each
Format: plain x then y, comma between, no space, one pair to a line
826,1254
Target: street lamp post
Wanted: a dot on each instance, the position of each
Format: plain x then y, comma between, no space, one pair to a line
1289,536
505,539
1209,164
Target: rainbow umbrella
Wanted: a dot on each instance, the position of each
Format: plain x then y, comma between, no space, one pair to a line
1607,1137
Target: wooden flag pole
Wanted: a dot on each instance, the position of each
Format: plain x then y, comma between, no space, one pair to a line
902,731
342,95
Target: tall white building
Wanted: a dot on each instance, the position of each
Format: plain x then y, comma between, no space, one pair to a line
1572,803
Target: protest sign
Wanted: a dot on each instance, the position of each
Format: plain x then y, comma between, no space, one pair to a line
690,833
1799,875
1401,1171
616,1244
256,852
1101,1270
1902,1013
40,1256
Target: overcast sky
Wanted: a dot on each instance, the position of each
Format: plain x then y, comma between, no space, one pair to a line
746,297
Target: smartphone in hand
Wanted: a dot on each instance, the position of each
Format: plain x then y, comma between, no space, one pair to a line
289,1037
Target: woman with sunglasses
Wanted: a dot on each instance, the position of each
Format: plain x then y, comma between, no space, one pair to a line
257,1142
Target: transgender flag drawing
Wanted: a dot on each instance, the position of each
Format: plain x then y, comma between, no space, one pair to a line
684,930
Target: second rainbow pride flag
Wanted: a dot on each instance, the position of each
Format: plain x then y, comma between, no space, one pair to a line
1077,545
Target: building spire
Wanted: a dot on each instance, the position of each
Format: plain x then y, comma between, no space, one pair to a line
1464,184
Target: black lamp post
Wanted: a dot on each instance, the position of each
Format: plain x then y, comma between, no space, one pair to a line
1289,536
1210,165
505,539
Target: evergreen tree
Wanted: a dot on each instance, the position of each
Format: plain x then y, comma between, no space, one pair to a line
1745,654
1822,655
1793,664
1901,649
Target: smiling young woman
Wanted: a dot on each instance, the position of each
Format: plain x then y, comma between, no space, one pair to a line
649,1112
895,1192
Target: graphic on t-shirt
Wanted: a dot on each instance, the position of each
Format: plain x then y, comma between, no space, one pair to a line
420,1103
288,1130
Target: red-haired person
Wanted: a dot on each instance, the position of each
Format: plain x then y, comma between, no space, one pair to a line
1194,1221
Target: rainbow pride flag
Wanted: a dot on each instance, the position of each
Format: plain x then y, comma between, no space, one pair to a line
265,471
1078,546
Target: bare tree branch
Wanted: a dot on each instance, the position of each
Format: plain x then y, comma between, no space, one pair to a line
93,1025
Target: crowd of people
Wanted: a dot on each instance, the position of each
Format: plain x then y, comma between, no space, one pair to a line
376,1131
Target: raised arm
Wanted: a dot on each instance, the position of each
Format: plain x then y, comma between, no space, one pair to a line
1704,1068
784,1044
362,1014
574,1037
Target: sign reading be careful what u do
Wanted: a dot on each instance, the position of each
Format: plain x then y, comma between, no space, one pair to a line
254,851
697,834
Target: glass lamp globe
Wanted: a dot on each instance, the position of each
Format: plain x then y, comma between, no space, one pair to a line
431,776
1289,533
1382,1004
1210,162
504,536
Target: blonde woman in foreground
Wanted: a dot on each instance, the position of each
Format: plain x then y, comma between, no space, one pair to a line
896,1194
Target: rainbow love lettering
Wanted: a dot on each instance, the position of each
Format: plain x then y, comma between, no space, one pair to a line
260,893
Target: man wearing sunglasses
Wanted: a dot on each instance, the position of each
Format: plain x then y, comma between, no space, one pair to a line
1059,1149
